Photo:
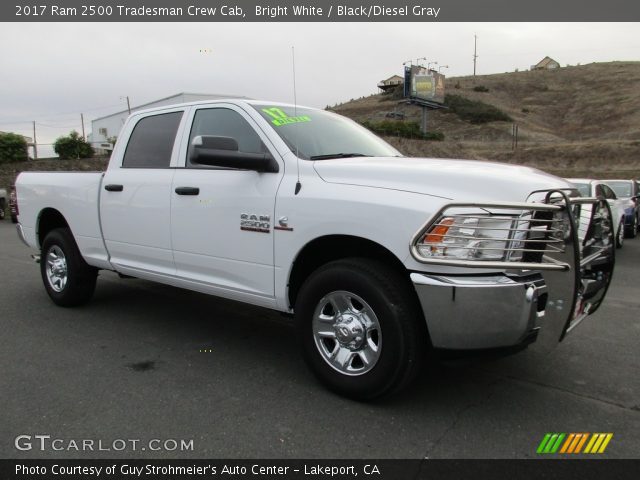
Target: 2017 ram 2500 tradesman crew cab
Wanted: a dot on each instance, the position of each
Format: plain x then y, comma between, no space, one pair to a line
378,256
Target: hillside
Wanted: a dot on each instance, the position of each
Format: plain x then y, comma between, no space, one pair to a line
580,120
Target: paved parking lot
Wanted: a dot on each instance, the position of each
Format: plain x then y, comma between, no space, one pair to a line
131,365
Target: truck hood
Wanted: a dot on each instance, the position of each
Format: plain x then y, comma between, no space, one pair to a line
462,180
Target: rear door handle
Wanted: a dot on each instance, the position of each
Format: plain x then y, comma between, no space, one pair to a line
113,188
187,190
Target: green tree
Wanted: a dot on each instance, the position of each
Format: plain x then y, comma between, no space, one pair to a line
13,148
72,146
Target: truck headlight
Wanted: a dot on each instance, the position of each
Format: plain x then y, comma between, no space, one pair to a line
471,237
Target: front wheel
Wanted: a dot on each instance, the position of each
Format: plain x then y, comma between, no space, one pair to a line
67,278
361,329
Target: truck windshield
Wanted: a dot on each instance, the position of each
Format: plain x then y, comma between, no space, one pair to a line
583,188
622,188
321,135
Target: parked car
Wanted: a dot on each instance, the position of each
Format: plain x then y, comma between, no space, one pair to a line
378,257
13,204
628,190
599,188
3,202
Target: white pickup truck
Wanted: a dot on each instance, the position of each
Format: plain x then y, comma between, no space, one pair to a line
379,257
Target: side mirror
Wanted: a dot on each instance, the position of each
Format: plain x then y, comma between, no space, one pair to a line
223,152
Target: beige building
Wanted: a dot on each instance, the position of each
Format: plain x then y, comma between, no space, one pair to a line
547,63
390,82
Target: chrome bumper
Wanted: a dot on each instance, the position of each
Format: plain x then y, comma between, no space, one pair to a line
480,312
21,234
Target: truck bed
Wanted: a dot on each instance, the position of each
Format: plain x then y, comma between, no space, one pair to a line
76,196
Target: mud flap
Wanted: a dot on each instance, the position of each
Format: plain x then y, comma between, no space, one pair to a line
589,249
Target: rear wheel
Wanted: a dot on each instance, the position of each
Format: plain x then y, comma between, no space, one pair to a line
361,330
67,278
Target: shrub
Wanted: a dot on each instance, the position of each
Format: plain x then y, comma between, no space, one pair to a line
13,148
402,129
525,110
72,146
480,88
473,111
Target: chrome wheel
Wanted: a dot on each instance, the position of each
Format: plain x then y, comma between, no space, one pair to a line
56,268
347,333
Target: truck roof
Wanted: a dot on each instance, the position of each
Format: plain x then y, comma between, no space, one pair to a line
241,100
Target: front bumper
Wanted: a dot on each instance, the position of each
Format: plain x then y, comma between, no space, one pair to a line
481,312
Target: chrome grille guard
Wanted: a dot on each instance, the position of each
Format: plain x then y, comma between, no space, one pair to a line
569,239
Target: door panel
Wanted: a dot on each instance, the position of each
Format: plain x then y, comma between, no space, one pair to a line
207,241
135,201
209,245
136,220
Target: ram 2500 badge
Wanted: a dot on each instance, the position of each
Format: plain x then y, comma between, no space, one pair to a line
379,257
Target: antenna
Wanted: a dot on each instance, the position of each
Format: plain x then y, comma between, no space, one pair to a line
295,113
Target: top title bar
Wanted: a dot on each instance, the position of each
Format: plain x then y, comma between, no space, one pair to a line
319,11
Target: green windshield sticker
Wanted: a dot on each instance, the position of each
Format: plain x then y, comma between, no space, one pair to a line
280,118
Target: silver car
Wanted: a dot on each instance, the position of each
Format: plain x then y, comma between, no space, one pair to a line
598,188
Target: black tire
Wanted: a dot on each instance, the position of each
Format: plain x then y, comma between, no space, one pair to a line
632,230
2,207
14,219
620,234
80,278
403,331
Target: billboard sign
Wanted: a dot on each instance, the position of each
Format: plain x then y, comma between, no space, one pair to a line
423,84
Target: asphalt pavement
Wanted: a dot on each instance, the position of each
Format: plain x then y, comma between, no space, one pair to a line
144,361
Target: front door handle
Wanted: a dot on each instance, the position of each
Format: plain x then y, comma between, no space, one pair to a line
187,190
113,188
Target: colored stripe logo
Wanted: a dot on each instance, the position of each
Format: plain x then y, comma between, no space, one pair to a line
574,443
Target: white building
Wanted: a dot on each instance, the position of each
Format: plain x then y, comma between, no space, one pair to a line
109,126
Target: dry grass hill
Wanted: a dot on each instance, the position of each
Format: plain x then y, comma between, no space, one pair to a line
575,121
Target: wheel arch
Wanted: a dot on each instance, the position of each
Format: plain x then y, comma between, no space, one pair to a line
322,250
49,219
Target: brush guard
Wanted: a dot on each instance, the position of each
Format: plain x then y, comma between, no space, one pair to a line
566,240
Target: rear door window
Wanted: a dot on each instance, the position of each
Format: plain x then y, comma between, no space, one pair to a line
151,141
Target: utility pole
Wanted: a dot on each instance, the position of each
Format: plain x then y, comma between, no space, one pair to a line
475,54
128,105
82,121
35,144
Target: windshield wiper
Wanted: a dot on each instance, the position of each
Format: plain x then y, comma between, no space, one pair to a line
337,155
